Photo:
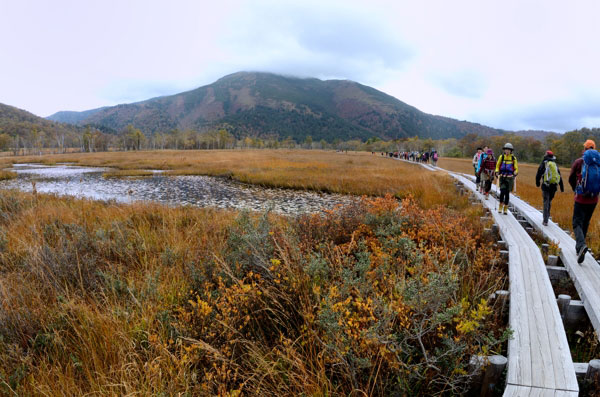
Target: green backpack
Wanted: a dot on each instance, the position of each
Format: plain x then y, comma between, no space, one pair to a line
551,175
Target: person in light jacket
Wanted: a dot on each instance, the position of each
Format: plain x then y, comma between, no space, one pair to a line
545,175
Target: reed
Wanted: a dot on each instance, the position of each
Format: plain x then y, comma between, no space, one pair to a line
4,175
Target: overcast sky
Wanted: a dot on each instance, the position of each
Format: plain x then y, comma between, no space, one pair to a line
507,64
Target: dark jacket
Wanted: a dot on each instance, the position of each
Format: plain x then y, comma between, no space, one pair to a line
540,175
575,178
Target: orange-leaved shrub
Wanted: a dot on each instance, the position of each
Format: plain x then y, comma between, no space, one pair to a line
381,297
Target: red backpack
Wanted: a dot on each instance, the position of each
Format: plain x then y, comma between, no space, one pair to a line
489,164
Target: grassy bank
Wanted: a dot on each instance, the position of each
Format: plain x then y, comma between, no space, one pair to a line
144,299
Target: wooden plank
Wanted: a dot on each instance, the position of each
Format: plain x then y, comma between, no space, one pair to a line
581,369
516,391
565,393
560,354
519,347
541,363
524,391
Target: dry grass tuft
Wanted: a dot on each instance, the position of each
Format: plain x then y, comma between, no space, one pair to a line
4,175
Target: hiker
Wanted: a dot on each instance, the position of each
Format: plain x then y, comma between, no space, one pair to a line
475,162
434,157
585,182
487,171
549,174
482,157
506,169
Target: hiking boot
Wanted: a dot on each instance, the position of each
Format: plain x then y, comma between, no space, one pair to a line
545,223
581,254
505,212
486,196
500,208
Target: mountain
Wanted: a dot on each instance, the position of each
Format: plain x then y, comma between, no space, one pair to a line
540,135
18,122
262,104
72,117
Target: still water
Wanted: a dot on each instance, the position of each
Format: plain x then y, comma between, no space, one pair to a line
201,191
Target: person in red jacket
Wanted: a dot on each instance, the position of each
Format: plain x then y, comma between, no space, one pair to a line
584,205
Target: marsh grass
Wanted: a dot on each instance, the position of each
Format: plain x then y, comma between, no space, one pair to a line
326,171
372,298
128,174
4,175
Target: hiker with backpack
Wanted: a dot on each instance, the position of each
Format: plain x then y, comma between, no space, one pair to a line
549,174
434,157
507,170
482,157
475,162
585,182
487,171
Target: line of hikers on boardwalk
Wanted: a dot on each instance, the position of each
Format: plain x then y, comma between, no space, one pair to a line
421,157
584,179
416,156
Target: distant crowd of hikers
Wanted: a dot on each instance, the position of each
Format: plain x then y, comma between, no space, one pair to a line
584,179
425,157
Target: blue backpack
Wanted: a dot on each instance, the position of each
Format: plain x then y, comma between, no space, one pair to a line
590,174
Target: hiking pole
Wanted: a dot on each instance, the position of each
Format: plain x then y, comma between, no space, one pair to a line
496,203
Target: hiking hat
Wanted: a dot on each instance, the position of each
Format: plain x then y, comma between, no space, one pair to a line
549,153
490,151
589,144
507,145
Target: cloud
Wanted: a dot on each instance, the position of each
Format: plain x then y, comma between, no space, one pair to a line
464,83
557,115
127,91
316,39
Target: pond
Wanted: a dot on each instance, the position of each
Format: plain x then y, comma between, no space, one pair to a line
201,191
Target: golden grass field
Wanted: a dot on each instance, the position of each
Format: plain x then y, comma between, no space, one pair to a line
368,299
328,171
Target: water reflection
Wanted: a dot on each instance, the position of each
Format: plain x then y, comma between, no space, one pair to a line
202,191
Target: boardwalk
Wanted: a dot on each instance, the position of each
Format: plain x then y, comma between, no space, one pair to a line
539,358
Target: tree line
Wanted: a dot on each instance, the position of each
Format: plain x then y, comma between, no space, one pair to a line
29,138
